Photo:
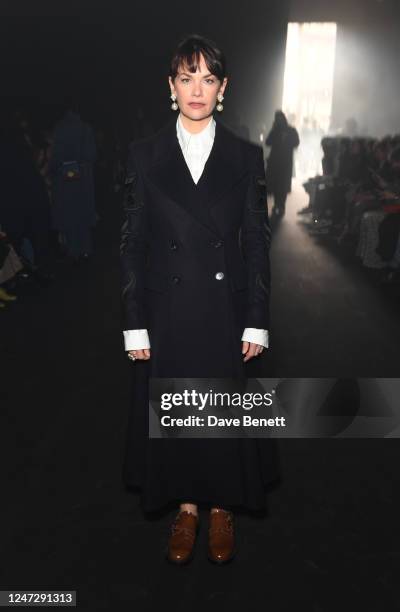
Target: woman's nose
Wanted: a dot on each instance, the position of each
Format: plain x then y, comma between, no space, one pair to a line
196,90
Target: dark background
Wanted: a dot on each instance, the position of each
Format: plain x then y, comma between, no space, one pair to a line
114,57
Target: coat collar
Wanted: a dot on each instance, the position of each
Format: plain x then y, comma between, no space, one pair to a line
224,168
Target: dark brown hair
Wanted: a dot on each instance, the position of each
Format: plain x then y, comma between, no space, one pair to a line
188,54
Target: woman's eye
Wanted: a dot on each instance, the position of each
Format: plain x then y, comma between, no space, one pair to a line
184,80
210,81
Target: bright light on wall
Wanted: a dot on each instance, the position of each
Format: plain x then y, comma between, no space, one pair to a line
308,80
309,66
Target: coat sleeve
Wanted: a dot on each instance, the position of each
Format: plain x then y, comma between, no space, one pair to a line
295,138
269,139
133,247
255,240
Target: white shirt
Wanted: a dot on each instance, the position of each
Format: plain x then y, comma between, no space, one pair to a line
195,148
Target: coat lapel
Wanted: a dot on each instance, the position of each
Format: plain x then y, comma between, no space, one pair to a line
170,174
225,167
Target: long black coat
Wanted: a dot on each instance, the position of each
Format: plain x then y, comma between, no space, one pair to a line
283,141
177,238
74,201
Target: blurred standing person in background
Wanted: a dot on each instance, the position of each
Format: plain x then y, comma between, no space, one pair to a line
282,139
24,200
71,164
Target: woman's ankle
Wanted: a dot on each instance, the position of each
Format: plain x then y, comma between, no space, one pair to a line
192,508
218,509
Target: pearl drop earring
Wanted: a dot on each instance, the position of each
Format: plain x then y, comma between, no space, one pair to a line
220,106
174,105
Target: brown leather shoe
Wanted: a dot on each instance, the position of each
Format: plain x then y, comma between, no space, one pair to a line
182,537
221,538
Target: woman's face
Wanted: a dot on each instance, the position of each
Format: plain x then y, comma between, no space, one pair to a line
196,92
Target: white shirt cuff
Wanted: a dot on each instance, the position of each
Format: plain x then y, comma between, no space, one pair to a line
258,336
136,339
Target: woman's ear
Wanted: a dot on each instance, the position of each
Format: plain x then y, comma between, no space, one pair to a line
171,85
223,85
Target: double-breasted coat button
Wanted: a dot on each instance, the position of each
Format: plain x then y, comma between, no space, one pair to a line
176,279
217,244
173,245
219,275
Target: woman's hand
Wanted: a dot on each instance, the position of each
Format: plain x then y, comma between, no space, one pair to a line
251,350
141,353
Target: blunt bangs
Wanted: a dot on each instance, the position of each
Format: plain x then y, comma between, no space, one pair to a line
188,55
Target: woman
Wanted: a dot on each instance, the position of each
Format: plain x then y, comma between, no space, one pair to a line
194,304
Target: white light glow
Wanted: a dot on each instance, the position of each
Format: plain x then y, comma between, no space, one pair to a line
308,80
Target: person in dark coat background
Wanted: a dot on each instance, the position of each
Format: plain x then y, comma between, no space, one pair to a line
195,280
74,212
282,139
24,200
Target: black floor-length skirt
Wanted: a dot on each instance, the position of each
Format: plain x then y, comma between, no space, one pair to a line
225,472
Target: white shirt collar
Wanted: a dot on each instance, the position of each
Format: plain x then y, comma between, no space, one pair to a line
202,139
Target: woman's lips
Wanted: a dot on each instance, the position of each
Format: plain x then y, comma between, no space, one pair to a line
196,104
